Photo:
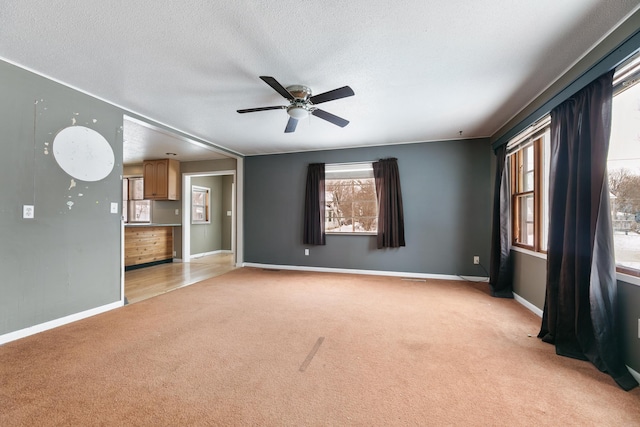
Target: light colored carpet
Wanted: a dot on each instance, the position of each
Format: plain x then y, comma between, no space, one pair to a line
231,351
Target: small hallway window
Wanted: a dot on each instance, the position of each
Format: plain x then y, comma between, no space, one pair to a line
200,205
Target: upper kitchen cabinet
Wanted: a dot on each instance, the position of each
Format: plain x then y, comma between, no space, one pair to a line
161,179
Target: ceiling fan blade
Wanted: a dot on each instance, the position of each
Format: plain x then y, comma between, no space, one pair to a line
277,87
338,121
291,125
341,92
253,110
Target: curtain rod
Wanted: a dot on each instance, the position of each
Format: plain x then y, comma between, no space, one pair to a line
351,163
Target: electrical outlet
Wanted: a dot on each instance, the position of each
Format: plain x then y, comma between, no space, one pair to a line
114,207
28,211
476,259
177,211
306,252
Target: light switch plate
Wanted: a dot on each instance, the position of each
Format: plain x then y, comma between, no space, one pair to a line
114,207
28,211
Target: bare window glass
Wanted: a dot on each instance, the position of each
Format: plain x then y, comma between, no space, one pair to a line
624,172
351,205
200,205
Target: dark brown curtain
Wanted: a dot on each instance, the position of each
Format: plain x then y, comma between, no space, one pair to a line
580,316
390,213
500,270
314,206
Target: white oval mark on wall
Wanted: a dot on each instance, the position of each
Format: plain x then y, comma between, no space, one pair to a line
83,153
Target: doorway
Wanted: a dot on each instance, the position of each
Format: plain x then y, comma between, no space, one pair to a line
144,141
217,233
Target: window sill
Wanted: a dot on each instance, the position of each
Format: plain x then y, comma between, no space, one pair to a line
529,252
627,278
344,233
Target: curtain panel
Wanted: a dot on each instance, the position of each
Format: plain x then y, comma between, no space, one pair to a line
580,315
500,269
314,206
390,211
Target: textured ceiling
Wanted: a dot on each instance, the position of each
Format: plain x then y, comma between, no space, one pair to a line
421,70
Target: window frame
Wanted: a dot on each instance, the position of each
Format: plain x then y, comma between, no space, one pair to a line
333,169
206,206
626,77
536,136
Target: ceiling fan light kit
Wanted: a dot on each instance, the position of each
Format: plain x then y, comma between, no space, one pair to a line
301,103
298,112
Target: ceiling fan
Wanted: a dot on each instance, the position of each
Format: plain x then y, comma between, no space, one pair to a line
301,103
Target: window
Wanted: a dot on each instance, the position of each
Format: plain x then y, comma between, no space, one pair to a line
350,197
134,208
200,205
624,168
528,160
529,170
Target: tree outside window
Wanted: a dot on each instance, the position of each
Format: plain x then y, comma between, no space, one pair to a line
350,196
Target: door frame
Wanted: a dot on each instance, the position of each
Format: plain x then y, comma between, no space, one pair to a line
186,211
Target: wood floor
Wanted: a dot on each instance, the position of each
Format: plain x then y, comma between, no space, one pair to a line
148,282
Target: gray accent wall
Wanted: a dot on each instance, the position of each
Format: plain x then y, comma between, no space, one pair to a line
629,304
446,191
67,259
530,277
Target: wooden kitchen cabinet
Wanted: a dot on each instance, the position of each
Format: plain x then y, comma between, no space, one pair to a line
161,179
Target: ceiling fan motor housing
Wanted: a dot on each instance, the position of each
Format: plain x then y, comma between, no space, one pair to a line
299,92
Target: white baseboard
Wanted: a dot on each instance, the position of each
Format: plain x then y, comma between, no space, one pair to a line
32,330
634,374
527,304
366,272
220,251
539,312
